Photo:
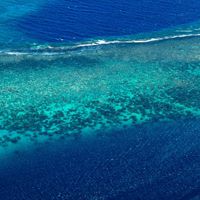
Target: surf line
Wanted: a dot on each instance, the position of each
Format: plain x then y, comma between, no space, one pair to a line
104,42
56,50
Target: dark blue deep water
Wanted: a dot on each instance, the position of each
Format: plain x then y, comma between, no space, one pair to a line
82,19
157,159
152,161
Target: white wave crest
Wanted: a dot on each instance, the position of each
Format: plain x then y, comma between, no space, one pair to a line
104,42
57,50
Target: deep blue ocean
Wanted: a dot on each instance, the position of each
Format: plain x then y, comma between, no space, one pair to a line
99,100
78,20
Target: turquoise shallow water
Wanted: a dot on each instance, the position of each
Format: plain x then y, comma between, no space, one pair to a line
114,115
70,90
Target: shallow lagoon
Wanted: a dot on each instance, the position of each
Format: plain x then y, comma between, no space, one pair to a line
100,118
51,93
112,121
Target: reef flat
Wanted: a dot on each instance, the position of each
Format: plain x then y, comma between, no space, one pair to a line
59,93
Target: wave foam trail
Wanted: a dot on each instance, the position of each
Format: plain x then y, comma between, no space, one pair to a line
104,42
57,50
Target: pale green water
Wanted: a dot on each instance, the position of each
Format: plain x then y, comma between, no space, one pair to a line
97,88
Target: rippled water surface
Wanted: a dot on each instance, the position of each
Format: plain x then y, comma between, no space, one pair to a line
99,100
80,19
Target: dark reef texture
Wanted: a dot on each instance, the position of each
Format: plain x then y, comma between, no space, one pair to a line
47,94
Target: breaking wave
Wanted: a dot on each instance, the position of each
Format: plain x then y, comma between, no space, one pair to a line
48,50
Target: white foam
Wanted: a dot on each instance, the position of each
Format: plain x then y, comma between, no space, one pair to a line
57,50
14,53
104,42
